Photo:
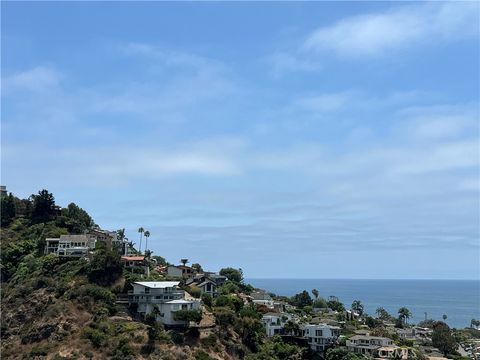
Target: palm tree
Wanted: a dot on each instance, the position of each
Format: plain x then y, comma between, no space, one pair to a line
184,261
444,317
315,293
404,314
147,235
141,230
358,307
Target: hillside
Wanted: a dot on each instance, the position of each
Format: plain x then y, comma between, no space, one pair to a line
55,308
73,291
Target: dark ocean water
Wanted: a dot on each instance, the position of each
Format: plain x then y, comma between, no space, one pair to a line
458,299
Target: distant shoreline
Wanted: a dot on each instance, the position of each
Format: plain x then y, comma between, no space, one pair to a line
458,299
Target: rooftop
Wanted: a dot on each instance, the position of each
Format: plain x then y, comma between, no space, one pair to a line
133,258
157,284
180,301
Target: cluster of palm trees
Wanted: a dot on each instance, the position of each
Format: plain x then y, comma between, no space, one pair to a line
143,233
404,314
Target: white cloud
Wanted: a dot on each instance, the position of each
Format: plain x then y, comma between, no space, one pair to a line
284,62
324,102
380,33
37,79
168,57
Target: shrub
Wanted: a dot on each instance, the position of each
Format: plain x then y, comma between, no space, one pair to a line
229,288
250,311
96,337
224,316
188,315
234,302
202,355
39,350
195,291
207,300
209,341
177,338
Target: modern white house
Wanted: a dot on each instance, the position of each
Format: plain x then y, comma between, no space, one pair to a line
376,346
162,298
275,322
320,336
74,246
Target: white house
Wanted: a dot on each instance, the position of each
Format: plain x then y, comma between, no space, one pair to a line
376,346
319,336
162,298
70,245
274,322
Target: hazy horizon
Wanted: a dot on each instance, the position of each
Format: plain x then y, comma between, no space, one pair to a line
283,138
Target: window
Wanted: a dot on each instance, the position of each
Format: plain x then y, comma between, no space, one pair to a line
318,333
147,290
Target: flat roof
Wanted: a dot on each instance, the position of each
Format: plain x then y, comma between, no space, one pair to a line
180,301
157,284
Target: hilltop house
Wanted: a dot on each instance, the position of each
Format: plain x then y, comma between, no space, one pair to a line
180,271
320,336
161,298
110,239
208,284
262,298
275,322
375,346
74,246
132,262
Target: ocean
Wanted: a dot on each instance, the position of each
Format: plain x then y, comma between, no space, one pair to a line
458,299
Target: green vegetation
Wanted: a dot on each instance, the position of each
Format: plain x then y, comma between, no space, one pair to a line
188,315
443,339
51,303
234,275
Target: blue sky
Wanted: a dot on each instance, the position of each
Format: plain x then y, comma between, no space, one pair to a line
312,140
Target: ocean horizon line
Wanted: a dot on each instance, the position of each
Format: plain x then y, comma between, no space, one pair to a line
375,279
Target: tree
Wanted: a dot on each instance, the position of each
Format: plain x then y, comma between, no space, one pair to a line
315,293
121,234
184,261
320,303
443,339
336,305
444,317
358,307
291,328
43,208
197,267
77,219
382,313
301,299
7,209
141,230
105,267
147,235
235,275
404,314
